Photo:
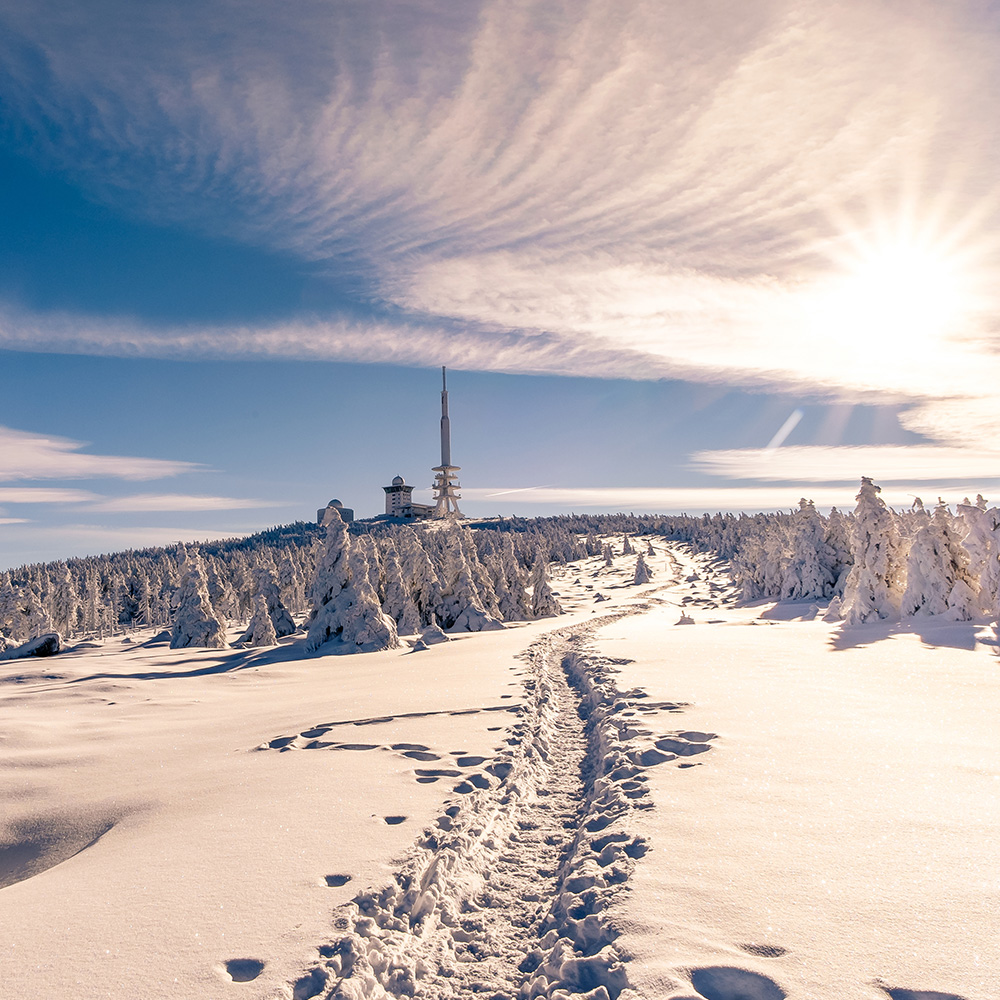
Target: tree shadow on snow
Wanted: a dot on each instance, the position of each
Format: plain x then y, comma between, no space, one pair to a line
223,662
932,632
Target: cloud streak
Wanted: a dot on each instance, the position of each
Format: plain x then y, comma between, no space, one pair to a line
24,455
178,502
634,189
698,500
816,464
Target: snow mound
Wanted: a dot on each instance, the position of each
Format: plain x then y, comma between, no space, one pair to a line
475,619
44,645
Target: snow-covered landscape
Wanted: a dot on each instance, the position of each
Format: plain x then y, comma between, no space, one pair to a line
652,648
718,758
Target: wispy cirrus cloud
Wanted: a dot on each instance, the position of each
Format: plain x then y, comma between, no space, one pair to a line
634,188
816,464
698,500
24,455
178,502
44,494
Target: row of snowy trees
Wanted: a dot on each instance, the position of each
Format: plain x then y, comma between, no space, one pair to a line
433,574
367,591
875,563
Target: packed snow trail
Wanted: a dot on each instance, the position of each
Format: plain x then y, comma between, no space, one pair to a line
508,895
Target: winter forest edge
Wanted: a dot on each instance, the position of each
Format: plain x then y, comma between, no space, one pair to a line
364,585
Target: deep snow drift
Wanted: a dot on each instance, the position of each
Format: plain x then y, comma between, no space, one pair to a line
655,794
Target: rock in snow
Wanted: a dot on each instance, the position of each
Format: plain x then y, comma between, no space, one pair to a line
44,645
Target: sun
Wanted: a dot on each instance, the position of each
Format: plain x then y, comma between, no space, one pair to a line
890,296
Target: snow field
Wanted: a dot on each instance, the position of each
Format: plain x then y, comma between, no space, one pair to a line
659,794
839,842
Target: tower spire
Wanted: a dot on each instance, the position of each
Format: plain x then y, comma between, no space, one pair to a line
445,480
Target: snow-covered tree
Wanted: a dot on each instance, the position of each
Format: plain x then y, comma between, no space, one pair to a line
875,585
543,602
267,587
642,573
809,572
64,601
261,631
196,622
461,606
627,549
345,606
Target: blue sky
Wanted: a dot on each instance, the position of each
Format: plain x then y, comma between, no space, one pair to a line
236,241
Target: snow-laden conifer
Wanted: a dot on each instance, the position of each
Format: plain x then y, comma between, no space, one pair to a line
642,572
608,554
627,549
875,585
261,631
345,607
927,582
460,607
398,603
543,602
809,571
196,622
267,587
513,600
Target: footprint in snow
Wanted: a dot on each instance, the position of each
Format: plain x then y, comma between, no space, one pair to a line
726,983
394,820
244,970
335,881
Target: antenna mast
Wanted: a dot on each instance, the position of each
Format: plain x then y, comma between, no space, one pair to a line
446,482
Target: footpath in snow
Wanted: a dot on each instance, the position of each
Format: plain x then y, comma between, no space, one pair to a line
656,795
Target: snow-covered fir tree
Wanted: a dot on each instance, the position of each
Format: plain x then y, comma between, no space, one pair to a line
809,573
875,585
642,573
345,607
261,631
196,622
544,603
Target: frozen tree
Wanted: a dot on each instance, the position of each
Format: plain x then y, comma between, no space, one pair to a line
838,541
927,583
982,543
809,572
398,603
609,556
875,585
512,597
261,631
195,622
10,610
420,575
461,607
543,601
267,587
627,549
345,606
63,602
642,573
35,618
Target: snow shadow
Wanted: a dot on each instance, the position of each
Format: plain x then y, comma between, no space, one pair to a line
901,994
727,983
954,635
31,846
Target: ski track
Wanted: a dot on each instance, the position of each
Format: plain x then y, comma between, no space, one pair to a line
507,895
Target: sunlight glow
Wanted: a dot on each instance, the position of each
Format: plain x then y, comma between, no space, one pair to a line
896,297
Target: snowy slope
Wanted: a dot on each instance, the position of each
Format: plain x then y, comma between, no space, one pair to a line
515,810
